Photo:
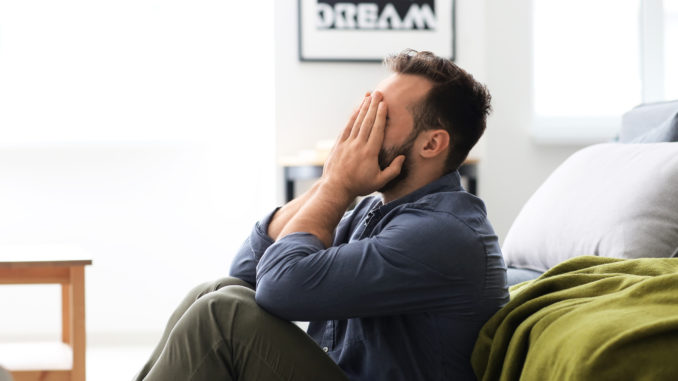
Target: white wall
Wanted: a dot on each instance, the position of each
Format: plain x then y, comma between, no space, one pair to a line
157,218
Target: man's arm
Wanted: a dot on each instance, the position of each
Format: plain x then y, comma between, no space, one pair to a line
422,261
271,227
285,214
262,236
351,170
244,264
289,210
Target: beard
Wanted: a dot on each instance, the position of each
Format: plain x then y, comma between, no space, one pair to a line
386,156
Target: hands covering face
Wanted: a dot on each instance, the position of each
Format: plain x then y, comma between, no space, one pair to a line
352,166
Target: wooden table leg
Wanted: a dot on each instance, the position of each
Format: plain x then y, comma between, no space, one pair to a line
77,323
66,313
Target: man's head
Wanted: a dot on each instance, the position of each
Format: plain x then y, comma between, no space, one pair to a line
432,96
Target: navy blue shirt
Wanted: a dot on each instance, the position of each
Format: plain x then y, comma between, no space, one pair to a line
402,292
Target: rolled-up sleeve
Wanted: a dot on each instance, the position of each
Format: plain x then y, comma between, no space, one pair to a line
244,263
420,261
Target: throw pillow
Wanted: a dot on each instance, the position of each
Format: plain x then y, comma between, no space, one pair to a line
650,123
611,200
665,132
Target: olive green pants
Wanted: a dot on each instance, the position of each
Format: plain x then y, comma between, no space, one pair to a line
218,332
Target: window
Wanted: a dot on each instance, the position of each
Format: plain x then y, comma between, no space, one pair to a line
135,71
670,48
594,60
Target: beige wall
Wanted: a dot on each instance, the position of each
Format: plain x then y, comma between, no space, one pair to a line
313,100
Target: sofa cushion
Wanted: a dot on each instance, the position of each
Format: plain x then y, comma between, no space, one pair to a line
650,123
611,200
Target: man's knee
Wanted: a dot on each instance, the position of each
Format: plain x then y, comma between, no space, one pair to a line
211,286
226,302
235,314
214,312
235,308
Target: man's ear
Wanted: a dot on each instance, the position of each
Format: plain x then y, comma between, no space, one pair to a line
435,143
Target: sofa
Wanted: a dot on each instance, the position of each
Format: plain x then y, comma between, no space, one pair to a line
593,265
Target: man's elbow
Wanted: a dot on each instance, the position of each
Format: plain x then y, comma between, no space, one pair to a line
276,299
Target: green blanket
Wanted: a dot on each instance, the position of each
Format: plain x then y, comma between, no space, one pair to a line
589,318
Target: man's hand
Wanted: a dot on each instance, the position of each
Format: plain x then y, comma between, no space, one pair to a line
352,167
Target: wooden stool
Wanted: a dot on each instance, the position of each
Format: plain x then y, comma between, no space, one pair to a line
16,267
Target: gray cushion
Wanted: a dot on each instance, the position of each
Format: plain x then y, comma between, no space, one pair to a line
611,200
650,123
665,132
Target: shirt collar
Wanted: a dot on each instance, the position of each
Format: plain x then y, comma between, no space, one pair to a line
447,183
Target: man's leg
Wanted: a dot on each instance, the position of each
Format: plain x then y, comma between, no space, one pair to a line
225,335
188,300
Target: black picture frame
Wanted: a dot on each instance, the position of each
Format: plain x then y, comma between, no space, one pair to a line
307,54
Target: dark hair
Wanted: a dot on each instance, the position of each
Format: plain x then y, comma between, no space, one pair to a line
456,103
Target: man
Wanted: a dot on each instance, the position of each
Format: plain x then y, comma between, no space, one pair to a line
396,289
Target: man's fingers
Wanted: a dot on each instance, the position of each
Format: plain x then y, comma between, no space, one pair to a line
361,115
349,126
377,134
368,122
393,169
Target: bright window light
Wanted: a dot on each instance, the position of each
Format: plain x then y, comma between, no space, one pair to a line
135,70
586,57
670,48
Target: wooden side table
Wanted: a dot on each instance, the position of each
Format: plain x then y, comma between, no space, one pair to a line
70,273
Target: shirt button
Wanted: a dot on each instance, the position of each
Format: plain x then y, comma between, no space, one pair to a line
325,349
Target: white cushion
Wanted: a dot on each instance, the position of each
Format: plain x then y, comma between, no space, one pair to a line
31,356
611,200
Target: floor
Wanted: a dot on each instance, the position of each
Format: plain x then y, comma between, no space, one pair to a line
115,363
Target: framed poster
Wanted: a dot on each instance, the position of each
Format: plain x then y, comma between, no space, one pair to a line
367,31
